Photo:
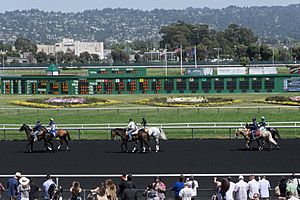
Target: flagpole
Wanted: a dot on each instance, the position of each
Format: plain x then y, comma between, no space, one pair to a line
166,59
195,56
181,71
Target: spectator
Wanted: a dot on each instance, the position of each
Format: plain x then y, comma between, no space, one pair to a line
240,189
296,182
290,196
129,181
111,190
186,192
253,187
193,184
178,186
264,188
24,188
150,193
122,186
34,190
12,186
159,187
291,187
222,188
229,193
2,189
48,187
100,191
75,191
130,193
282,188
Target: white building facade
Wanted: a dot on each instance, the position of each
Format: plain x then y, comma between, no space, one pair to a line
77,47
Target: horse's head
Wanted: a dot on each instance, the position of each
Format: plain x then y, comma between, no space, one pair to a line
117,132
24,127
240,131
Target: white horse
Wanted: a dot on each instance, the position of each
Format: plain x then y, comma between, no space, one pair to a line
156,133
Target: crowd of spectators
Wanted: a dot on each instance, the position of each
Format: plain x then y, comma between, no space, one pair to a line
255,189
22,188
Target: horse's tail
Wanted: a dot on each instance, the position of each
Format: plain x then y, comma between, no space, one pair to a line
162,134
271,138
68,135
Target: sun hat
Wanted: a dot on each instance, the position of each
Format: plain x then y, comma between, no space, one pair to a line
241,177
51,119
24,181
18,175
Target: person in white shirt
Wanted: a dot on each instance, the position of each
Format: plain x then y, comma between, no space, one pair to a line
186,192
264,188
229,193
193,184
296,182
132,127
253,187
240,189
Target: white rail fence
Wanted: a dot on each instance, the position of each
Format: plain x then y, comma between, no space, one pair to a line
184,126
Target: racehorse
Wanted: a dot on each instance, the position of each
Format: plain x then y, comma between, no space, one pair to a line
141,136
63,136
156,134
265,135
43,135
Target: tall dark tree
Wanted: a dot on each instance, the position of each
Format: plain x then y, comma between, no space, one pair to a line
41,57
25,45
265,52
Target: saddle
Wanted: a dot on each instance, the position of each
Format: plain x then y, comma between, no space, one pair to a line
257,133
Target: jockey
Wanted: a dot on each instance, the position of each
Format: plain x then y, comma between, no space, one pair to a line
253,128
262,124
132,127
37,129
52,127
144,122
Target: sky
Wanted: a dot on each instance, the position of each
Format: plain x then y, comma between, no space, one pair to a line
81,5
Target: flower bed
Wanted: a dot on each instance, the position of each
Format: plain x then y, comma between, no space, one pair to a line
186,101
64,102
281,100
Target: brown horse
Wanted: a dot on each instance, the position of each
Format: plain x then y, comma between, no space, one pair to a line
141,137
44,135
63,136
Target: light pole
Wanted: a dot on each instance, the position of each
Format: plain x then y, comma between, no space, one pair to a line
218,49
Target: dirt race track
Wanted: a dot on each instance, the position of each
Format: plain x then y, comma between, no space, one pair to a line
176,156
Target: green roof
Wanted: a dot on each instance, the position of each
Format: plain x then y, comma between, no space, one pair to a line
52,67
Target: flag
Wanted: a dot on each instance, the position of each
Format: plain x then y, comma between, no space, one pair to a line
191,52
164,52
178,49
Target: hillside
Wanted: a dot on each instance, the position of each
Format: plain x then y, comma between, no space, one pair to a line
115,25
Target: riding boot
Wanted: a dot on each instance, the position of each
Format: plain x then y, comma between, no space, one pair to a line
35,138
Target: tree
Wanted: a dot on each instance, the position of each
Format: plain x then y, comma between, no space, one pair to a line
265,52
41,57
95,58
85,57
253,51
119,56
25,45
244,61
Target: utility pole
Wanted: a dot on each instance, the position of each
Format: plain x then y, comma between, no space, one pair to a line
218,49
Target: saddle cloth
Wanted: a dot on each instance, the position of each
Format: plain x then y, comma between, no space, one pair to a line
257,133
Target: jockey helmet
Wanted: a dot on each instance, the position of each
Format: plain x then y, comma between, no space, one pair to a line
253,119
51,119
263,117
38,121
130,119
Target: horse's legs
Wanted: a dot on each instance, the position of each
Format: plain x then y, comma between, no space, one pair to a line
135,146
157,145
67,143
